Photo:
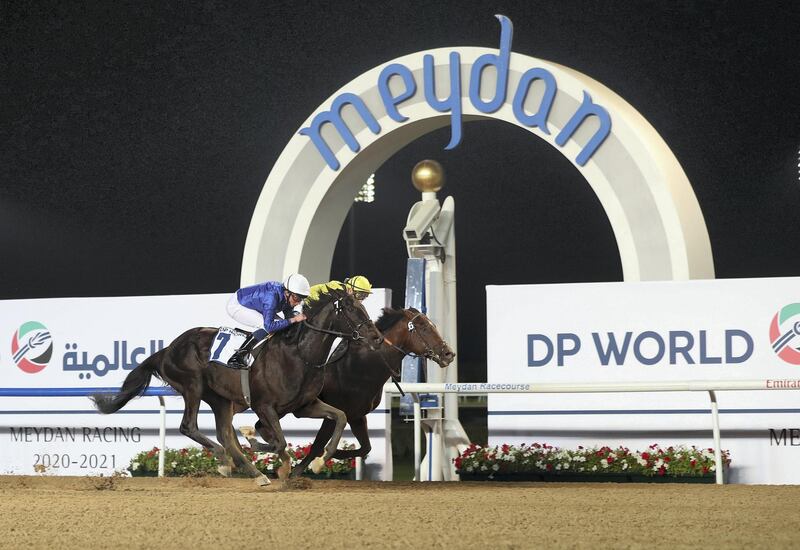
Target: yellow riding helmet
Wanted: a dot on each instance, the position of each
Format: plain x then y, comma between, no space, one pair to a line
359,284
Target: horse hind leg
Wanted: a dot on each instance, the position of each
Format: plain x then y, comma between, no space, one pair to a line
189,429
250,433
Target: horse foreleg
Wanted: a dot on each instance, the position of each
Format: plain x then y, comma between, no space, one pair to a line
323,436
223,415
319,409
270,429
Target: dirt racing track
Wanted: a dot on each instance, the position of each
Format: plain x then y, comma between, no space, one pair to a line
72,512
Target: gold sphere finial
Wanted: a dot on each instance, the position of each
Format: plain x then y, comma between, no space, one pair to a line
428,176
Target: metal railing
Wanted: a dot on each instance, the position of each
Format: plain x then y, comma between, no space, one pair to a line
484,388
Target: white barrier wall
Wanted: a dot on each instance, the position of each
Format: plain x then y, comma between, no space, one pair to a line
76,344
653,331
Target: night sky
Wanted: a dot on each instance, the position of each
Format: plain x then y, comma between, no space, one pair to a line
136,139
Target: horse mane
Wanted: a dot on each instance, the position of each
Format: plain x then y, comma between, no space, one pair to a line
389,318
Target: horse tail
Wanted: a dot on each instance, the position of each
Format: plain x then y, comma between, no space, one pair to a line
135,384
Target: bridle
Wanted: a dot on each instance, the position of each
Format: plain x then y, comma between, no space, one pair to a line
355,332
354,335
429,352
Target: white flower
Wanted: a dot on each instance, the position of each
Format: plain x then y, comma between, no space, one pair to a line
604,464
483,468
174,463
558,466
594,468
135,466
469,468
495,467
624,465
565,465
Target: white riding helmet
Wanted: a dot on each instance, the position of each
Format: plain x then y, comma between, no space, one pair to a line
297,284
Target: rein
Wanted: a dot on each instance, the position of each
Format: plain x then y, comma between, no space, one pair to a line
354,336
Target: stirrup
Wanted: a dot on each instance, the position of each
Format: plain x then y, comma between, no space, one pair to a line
238,360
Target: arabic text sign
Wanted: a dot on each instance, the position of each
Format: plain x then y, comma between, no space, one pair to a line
76,345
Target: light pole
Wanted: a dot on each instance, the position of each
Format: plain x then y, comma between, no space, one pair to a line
430,235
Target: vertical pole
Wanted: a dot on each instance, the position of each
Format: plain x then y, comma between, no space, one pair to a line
359,468
717,438
417,438
352,243
162,434
436,457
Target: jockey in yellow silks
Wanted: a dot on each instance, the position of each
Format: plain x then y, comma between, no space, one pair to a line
358,285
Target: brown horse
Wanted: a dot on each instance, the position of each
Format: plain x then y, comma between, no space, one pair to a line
354,384
286,376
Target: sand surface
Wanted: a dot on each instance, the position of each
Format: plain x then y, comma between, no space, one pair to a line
73,512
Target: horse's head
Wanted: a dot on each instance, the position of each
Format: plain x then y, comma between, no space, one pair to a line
412,332
343,313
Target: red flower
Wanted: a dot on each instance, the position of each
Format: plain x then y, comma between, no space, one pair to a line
667,459
609,460
705,469
457,461
645,456
505,449
662,471
329,463
549,467
692,463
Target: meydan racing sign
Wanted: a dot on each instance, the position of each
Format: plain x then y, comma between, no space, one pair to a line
670,331
452,103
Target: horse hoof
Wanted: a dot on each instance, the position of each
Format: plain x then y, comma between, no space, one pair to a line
317,464
248,431
262,481
224,471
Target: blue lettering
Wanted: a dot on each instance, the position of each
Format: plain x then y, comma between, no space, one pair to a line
453,102
539,119
564,351
389,101
705,359
637,347
532,338
500,62
675,349
587,108
334,116
748,340
605,354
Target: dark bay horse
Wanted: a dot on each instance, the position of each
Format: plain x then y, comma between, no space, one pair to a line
354,384
286,376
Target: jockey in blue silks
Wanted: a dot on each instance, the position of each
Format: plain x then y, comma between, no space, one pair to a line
258,306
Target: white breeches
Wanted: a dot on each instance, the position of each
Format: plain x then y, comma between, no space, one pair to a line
244,315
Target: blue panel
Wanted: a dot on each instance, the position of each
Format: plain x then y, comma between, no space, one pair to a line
413,367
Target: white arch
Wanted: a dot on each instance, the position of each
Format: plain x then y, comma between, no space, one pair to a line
657,222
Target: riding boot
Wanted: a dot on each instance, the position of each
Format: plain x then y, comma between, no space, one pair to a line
239,358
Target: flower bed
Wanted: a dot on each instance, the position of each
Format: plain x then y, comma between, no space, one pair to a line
542,462
195,461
